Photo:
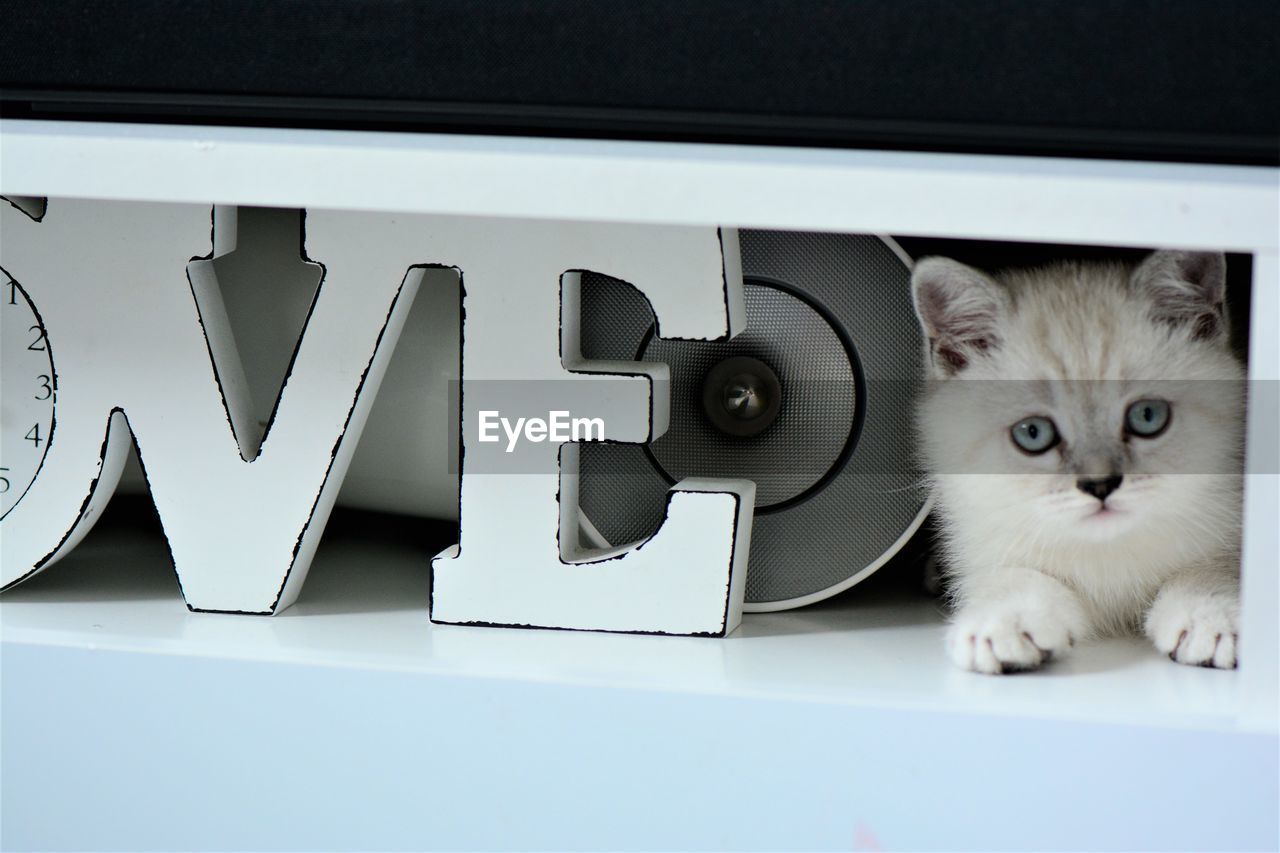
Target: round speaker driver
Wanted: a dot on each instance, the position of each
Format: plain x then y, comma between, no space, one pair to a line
792,358
813,401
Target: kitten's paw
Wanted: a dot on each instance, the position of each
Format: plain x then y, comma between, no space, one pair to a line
1002,640
1196,630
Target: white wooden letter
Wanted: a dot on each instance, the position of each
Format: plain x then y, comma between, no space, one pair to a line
140,343
142,347
519,562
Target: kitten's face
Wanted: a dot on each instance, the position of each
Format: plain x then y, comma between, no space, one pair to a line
1063,457
1067,408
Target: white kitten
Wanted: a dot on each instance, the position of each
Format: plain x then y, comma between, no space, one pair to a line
1083,434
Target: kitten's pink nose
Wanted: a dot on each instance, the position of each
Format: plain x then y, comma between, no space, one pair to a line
1100,488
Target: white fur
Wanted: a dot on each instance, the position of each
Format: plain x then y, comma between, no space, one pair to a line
1032,567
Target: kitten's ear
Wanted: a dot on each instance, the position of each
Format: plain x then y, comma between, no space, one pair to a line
960,310
1186,289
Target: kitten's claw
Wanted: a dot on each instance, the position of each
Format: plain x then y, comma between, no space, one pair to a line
1001,641
1195,630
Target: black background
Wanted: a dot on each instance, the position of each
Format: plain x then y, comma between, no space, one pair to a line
1152,79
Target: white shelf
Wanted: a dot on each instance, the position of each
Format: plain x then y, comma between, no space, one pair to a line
1228,208
350,721
365,605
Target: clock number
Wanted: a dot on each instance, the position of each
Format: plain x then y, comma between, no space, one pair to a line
4,481
45,387
13,292
33,435
38,344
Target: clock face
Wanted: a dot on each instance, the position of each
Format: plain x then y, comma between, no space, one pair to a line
28,390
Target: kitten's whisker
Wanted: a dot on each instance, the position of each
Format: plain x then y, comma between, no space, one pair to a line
920,484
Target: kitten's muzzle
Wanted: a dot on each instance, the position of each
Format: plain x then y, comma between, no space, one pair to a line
1100,489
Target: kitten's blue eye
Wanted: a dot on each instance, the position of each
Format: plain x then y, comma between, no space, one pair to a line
1147,418
1034,435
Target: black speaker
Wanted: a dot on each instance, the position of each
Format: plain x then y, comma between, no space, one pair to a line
813,401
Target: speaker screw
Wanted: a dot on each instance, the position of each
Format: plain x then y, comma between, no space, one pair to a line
745,397
741,396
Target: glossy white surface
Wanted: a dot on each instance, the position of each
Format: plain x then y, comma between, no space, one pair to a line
861,192
365,606
349,722
1260,614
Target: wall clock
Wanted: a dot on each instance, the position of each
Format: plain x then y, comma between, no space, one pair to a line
29,392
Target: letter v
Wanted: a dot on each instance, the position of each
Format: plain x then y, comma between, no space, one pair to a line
130,343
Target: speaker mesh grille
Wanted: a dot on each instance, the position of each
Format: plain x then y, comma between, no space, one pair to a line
817,543
818,400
